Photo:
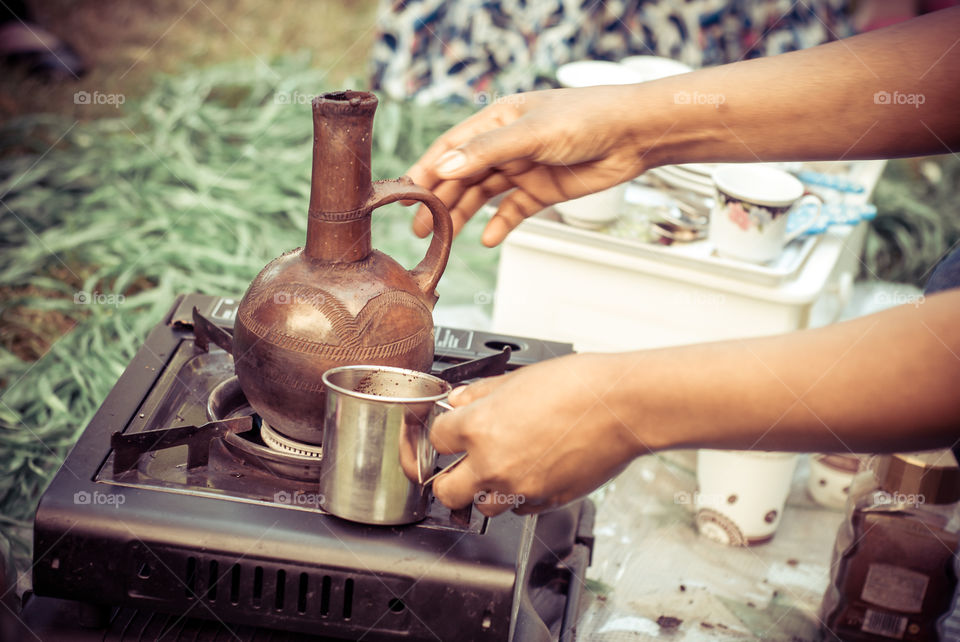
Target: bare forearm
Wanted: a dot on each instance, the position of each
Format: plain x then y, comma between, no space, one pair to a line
821,103
886,382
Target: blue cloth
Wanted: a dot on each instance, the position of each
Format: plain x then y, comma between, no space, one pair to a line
946,276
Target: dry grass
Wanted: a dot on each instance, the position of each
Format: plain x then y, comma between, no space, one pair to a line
127,43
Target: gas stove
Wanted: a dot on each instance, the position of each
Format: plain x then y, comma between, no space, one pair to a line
179,515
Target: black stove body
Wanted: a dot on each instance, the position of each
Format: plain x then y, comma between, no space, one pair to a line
194,539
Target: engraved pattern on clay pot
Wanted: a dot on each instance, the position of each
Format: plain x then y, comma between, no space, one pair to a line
353,334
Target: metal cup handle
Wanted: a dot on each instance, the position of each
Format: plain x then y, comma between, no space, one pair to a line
445,406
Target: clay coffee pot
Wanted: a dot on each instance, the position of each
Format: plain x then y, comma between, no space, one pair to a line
337,301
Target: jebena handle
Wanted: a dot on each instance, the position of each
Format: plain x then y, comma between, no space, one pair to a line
427,273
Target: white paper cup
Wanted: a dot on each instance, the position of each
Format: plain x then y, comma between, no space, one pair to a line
830,478
741,494
597,210
593,211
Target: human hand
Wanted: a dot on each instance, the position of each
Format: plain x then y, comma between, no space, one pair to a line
536,438
545,146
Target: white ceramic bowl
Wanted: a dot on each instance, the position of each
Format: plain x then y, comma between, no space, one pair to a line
593,211
589,73
654,67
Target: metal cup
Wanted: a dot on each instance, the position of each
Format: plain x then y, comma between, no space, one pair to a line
376,437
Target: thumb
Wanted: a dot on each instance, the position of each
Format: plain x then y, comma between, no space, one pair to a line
488,150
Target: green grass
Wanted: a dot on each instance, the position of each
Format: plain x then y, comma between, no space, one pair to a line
918,219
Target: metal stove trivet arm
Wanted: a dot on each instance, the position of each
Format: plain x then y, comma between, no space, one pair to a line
128,447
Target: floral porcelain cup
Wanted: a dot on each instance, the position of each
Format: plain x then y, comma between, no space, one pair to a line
749,219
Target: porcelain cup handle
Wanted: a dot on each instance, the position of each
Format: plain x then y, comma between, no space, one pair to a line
813,219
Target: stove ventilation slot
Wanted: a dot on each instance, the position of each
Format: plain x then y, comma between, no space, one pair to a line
325,596
347,599
190,581
302,594
264,587
246,590
257,586
235,584
212,578
281,586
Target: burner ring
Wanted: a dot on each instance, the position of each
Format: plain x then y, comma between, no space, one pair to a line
275,440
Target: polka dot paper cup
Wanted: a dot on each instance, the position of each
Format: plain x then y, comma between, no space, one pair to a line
740,494
830,478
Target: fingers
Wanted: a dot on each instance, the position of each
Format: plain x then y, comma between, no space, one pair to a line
490,503
445,434
475,197
476,146
461,487
422,221
467,202
488,150
448,192
423,172
458,487
514,209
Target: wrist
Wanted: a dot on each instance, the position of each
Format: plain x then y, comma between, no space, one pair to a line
670,124
621,405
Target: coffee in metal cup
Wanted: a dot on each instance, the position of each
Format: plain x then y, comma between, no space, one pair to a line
377,423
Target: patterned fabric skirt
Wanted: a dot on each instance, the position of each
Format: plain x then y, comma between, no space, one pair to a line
463,50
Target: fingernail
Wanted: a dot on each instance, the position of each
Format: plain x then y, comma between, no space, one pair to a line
451,161
455,393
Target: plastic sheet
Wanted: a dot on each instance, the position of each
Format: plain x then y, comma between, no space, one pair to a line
654,577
